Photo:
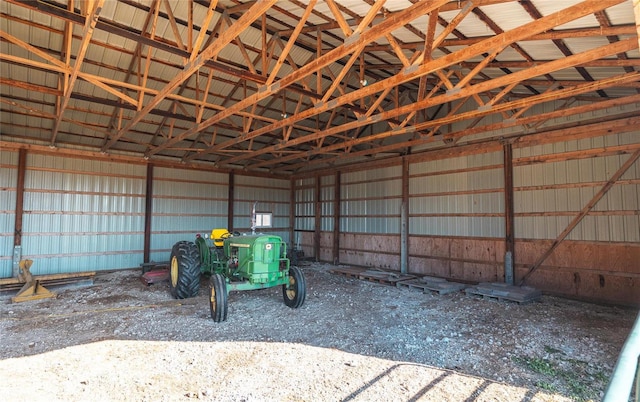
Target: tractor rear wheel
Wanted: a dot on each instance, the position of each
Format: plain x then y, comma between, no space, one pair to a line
218,302
294,292
184,278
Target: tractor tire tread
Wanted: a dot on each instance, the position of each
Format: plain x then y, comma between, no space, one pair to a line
188,283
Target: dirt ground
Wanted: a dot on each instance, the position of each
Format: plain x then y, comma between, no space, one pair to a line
351,340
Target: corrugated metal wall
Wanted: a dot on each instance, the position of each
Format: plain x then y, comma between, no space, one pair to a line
8,181
550,190
82,214
456,210
461,196
272,195
370,200
370,208
186,202
89,215
327,197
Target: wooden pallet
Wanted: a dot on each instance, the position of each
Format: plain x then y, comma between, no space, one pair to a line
502,291
349,272
384,277
432,284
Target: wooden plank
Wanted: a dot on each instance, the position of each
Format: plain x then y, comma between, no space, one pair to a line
432,284
50,278
384,277
501,292
350,272
612,258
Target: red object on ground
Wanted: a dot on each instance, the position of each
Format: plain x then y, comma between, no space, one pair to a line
154,276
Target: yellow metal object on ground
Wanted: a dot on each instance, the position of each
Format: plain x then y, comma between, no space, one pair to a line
32,289
218,236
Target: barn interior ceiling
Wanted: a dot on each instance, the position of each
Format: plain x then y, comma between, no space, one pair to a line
293,86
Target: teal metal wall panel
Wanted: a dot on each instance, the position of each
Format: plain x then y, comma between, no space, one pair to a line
185,203
82,214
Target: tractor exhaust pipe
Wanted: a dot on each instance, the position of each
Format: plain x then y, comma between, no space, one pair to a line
253,218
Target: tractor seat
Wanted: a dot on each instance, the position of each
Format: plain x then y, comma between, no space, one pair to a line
218,236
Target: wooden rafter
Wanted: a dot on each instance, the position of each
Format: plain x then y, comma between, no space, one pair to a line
500,40
194,64
340,86
87,32
467,115
366,37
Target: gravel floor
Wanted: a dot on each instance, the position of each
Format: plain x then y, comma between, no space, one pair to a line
351,340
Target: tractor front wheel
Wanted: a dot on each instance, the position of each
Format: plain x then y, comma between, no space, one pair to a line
294,292
218,298
184,279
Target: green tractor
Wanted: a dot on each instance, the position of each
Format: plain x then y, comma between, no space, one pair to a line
234,262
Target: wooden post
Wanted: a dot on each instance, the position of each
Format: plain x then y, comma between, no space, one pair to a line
17,232
636,13
336,220
292,213
404,219
318,220
230,201
509,234
148,214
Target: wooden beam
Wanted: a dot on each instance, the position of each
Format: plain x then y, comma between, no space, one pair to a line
636,14
558,94
526,137
509,231
193,65
326,59
290,43
87,32
148,213
231,201
195,48
450,6
317,218
337,201
416,71
292,214
339,18
469,5
404,219
368,18
587,208
22,168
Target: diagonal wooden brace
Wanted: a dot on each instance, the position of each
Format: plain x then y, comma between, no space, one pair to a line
616,176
